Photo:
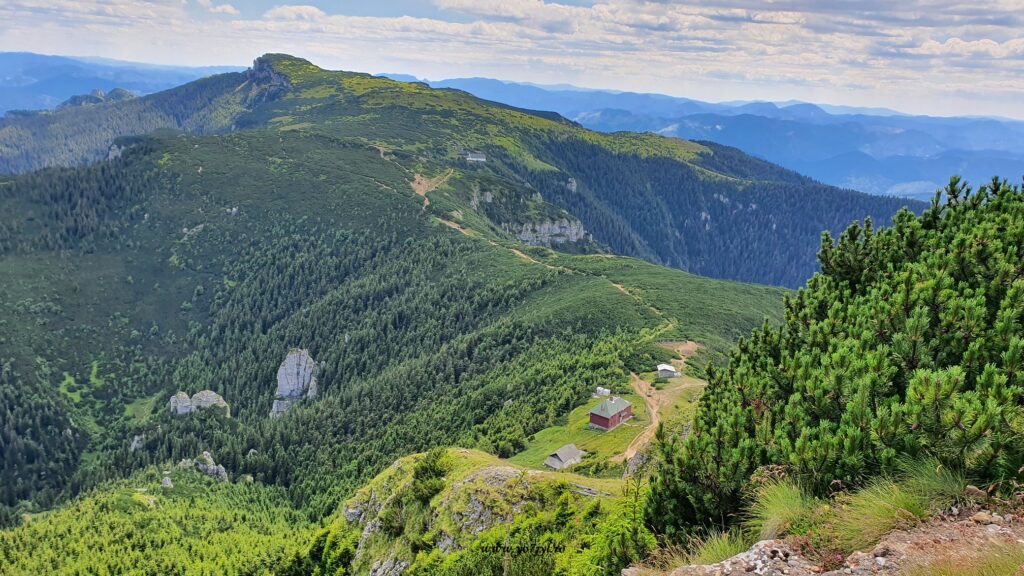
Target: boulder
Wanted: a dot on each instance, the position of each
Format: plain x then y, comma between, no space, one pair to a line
181,403
296,379
166,483
206,465
210,399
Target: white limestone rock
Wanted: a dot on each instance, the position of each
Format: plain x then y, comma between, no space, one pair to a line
296,379
180,403
137,442
209,399
206,465
552,233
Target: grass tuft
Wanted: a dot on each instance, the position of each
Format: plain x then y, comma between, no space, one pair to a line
864,517
716,547
936,484
779,508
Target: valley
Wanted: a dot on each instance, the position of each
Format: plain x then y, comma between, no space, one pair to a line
296,321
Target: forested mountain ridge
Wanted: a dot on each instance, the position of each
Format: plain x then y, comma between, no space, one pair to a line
703,208
191,263
871,150
341,218
31,81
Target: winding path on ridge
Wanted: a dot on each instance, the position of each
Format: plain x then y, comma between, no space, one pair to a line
423,186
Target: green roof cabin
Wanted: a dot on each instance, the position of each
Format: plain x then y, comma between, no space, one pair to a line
610,413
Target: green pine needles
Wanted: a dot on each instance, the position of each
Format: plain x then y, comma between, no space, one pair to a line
908,343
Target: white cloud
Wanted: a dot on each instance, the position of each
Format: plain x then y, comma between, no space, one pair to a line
937,54
310,13
985,47
218,8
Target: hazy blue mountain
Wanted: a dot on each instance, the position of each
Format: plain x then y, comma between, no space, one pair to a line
35,81
873,150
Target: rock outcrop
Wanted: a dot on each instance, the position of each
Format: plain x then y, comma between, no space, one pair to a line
96,97
296,379
180,403
390,567
265,83
137,442
206,465
553,233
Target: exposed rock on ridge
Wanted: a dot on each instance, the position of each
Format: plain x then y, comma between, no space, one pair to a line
553,233
206,465
266,84
296,379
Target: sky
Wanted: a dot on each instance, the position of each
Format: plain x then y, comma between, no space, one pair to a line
940,57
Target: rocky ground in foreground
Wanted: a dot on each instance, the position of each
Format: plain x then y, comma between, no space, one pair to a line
954,541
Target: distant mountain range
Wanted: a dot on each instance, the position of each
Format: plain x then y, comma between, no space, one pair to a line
35,81
873,150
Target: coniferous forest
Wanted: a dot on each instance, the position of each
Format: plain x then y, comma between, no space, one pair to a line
457,316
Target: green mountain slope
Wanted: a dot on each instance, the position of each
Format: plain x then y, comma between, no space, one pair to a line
700,207
192,263
195,526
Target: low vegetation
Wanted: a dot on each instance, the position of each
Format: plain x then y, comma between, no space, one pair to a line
196,527
600,446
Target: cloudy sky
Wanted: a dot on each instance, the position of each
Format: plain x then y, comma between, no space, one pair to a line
924,56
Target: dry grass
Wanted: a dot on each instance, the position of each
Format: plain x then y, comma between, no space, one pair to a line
1001,559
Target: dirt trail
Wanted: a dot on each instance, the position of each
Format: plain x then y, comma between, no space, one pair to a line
656,399
453,226
423,186
645,391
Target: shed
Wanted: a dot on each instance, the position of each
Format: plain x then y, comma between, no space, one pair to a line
610,413
476,157
564,457
667,371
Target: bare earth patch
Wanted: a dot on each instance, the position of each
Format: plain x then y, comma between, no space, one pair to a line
657,399
423,186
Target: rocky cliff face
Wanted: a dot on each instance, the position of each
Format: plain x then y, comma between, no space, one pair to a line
181,403
266,83
552,233
296,379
